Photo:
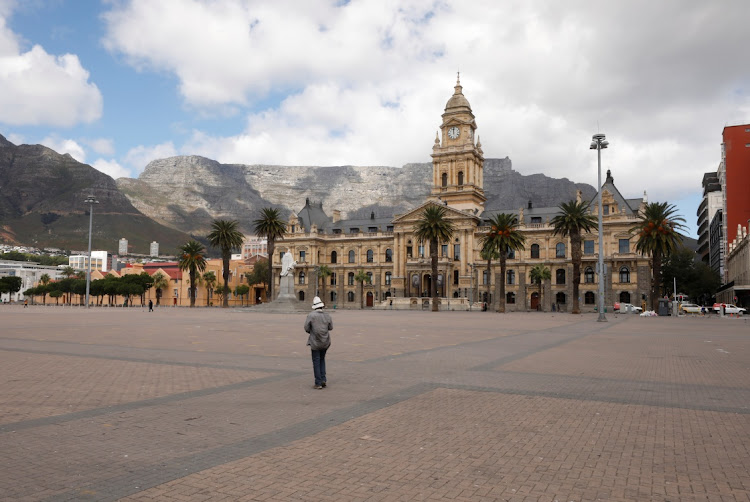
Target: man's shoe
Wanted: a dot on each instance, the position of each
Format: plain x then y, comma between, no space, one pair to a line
317,387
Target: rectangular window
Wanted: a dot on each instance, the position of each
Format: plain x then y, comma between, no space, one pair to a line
301,256
588,247
456,252
624,245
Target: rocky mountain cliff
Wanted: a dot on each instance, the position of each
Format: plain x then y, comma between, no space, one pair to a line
41,204
188,192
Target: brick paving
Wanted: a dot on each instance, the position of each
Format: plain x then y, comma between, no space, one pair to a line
212,404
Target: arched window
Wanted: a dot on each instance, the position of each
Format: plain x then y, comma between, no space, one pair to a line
560,298
510,297
301,277
370,256
511,276
333,256
444,179
560,250
350,296
388,255
351,256
535,250
460,178
624,297
625,275
588,275
560,276
588,298
350,279
301,296
387,278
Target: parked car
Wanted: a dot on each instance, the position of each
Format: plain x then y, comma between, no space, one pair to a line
729,308
623,307
691,308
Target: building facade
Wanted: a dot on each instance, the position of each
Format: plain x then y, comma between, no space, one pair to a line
398,264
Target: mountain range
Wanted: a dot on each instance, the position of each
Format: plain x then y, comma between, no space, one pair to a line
174,199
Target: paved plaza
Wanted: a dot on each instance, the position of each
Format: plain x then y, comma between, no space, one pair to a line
217,405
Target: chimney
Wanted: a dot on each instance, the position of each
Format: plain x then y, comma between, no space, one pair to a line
336,215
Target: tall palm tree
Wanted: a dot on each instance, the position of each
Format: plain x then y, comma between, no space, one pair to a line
503,237
658,237
539,274
225,236
161,283
573,219
45,280
209,279
361,277
193,260
270,226
324,272
434,227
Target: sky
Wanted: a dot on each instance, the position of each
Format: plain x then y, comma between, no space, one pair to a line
118,83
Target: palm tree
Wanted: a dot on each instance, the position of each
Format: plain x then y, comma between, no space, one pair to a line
45,280
324,272
434,227
193,260
573,219
658,237
503,237
209,279
270,226
538,274
225,236
161,283
361,277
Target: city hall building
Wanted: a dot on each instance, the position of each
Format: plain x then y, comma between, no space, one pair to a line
398,264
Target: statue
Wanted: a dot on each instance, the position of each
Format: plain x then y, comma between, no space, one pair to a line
287,264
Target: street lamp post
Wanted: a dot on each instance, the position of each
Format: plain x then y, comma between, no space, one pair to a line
598,143
90,200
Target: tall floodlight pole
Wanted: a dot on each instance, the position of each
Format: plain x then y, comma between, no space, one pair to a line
599,143
90,200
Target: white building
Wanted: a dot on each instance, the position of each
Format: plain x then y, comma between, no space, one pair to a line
122,249
81,262
154,249
30,273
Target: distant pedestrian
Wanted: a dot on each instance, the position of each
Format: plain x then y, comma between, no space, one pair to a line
318,324
150,305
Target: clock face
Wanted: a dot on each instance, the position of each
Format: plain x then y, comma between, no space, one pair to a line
453,132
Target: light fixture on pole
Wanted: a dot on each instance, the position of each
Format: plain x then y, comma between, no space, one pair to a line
598,143
90,200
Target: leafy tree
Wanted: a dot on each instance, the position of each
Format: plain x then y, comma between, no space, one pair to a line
241,291
538,274
209,280
193,260
324,272
361,277
161,283
225,236
433,227
657,235
502,238
574,218
270,226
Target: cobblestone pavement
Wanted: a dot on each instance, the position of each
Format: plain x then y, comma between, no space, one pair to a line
211,404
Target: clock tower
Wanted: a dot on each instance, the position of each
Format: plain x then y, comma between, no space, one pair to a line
457,157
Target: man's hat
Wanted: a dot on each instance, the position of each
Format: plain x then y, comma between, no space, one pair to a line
317,304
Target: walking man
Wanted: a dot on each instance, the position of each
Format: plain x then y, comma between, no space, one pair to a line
318,324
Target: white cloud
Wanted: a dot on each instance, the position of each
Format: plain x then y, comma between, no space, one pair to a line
37,88
63,146
139,157
111,168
